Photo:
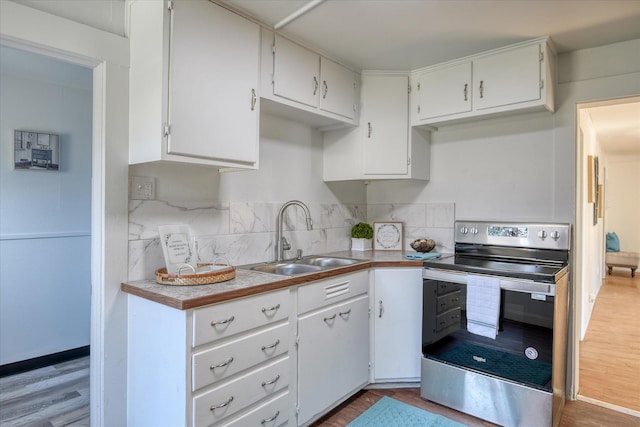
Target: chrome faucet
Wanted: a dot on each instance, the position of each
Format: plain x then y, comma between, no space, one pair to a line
281,243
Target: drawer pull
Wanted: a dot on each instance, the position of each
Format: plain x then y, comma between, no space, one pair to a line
223,322
274,308
268,420
265,347
222,405
344,314
327,319
273,381
221,365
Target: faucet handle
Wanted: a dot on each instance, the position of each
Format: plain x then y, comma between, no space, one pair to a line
299,254
285,244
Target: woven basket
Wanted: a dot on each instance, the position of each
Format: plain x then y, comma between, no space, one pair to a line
205,278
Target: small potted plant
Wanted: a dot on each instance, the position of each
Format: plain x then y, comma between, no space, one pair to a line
361,237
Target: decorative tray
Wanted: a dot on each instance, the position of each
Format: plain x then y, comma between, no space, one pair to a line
210,273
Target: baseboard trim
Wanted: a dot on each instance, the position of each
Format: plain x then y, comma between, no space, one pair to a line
42,361
611,406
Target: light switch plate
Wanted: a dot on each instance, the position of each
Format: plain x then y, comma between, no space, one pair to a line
142,188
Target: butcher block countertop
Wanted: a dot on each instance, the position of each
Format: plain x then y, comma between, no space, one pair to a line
249,282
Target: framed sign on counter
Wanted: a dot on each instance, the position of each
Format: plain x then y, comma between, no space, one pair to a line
388,236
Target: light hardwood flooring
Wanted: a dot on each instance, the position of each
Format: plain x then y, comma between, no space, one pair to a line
610,351
53,396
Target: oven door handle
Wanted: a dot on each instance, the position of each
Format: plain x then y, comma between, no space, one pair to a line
527,286
445,275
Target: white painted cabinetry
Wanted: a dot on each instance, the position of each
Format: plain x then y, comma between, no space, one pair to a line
511,79
397,324
333,343
294,76
194,76
383,146
226,363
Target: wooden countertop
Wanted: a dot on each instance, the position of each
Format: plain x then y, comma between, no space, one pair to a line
249,282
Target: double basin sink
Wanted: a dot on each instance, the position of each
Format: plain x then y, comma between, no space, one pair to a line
304,265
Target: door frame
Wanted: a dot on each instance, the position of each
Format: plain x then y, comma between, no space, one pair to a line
107,55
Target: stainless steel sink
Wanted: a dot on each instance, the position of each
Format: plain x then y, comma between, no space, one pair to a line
323,261
286,269
309,264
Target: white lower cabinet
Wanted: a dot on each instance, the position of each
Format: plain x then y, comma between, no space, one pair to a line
333,343
235,363
397,324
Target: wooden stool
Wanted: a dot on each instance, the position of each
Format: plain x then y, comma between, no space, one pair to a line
622,259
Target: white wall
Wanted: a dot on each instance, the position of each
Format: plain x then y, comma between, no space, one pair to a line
622,200
46,216
233,214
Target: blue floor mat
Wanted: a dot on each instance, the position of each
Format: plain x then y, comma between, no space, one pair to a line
388,412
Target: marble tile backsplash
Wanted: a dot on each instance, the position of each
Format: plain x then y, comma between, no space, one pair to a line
244,232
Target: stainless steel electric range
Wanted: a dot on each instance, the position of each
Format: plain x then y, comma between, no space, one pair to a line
495,322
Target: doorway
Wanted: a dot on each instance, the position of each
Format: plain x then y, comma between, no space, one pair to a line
608,132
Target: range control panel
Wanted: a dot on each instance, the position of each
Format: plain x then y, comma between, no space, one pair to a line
517,234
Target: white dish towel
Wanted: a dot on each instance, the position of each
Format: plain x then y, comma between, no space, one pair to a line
483,305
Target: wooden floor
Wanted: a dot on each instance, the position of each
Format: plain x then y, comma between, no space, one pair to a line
610,352
52,396
575,413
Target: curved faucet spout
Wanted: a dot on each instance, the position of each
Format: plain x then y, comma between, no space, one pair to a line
281,242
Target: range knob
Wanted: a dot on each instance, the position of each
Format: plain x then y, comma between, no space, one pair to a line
555,235
542,234
464,230
474,230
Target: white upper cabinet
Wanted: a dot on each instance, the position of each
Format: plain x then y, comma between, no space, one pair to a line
383,146
194,77
444,91
512,79
305,85
508,78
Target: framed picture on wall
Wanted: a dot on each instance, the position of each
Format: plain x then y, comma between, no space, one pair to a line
388,236
36,150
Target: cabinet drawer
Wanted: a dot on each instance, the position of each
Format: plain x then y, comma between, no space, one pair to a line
446,287
225,360
226,400
333,290
271,414
448,319
229,318
448,301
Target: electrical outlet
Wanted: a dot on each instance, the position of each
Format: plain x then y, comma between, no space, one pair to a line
142,188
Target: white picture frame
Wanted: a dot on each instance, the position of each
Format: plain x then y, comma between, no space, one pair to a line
388,236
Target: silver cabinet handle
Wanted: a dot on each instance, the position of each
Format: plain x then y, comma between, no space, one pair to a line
253,99
269,382
369,130
274,308
223,322
481,88
268,420
343,314
221,365
315,85
466,85
327,319
221,405
325,89
381,309
265,347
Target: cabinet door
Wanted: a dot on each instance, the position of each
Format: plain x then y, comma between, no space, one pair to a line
333,355
214,72
444,91
296,72
507,78
397,324
337,89
386,123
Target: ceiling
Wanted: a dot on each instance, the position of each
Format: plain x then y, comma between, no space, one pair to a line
411,34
